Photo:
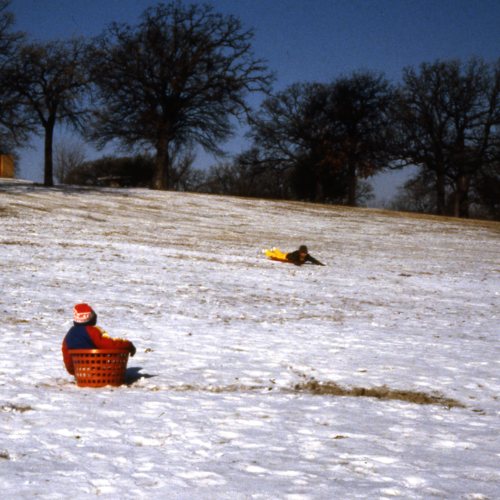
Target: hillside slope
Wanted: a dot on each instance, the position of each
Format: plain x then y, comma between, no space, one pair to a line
374,376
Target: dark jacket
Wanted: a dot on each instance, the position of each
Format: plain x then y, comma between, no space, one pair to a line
295,258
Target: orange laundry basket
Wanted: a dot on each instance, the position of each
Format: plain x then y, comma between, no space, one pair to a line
99,367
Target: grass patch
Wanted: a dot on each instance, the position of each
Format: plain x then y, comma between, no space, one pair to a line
326,389
17,408
19,243
384,393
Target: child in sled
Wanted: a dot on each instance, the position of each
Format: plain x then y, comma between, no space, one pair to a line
301,256
84,334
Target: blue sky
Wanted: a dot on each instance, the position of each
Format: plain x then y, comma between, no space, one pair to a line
302,40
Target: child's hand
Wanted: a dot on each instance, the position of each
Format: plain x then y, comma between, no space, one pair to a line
132,349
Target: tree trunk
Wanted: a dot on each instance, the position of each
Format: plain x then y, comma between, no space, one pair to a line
440,191
461,201
319,196
352,184
48,177
161,179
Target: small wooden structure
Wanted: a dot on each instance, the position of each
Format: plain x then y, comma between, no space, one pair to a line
6,166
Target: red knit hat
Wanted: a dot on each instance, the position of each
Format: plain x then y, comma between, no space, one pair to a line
82,313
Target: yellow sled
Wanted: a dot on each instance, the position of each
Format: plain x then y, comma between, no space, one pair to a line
275,254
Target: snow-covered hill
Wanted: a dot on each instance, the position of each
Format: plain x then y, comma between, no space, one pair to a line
376,376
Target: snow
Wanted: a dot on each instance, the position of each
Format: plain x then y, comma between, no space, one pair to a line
252,378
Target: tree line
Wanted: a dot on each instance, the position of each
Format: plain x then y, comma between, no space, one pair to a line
181,77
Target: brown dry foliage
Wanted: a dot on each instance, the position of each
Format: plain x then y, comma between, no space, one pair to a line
383,392
330,389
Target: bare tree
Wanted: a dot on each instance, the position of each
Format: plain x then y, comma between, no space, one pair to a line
331,135
359,132
486,192
246,175
475,108
50,85
416,195
173,80
68,156
9,40
449,124
13,127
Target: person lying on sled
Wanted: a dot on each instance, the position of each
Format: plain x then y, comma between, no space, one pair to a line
301,256
85,335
